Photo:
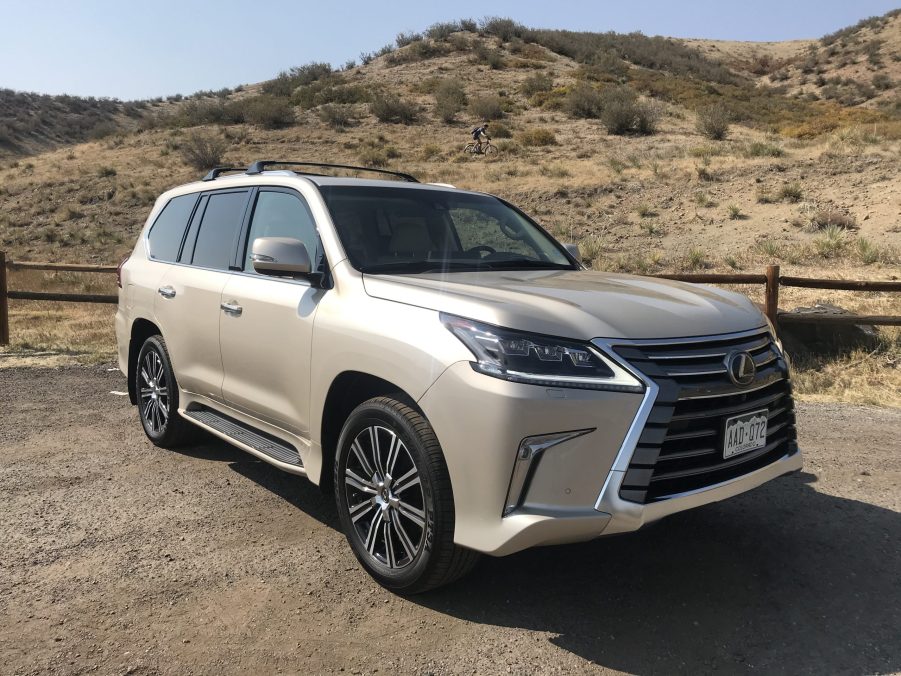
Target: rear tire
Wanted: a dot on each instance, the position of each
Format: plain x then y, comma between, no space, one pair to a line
395,500
157,394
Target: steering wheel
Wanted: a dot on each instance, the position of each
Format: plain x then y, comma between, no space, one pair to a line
510,231
480,248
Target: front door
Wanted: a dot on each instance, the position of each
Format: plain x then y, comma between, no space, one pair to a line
266,337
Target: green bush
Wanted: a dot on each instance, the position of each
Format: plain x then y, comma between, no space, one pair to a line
487,107
493,58
713,122
583,101
202,151
404,39
392,108
450,99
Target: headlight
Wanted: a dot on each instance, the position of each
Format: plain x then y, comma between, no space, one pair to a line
539,360
773,333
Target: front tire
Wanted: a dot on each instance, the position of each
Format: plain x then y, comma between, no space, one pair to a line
157,394
395,500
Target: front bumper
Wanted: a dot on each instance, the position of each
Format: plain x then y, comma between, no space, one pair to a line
574,491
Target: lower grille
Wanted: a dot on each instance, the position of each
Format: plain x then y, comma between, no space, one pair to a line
681,446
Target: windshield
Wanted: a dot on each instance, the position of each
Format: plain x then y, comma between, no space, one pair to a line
409,230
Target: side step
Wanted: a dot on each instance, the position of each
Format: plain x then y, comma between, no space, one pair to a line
260,441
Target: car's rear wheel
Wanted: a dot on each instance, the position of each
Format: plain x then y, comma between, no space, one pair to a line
157,394
395,500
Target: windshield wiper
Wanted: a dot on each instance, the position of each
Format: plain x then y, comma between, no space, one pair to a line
422,266
530,264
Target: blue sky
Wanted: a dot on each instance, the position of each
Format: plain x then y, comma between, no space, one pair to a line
127,50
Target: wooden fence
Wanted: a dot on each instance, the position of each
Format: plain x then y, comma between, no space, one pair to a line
771,280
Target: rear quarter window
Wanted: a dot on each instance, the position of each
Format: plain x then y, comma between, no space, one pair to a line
168,229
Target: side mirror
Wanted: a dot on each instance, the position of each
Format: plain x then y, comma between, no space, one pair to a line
573,250
280,257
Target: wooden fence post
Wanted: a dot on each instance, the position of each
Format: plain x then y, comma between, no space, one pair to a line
4,302
772,293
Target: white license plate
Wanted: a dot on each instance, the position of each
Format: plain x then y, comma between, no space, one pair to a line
744,433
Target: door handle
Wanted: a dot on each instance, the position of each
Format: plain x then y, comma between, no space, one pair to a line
232,308
166,291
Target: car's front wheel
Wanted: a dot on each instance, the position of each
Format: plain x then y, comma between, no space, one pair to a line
157,394
395,500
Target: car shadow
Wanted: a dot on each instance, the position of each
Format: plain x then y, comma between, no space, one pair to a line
783,579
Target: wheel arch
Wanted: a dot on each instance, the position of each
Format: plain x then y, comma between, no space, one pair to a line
348,390
141,330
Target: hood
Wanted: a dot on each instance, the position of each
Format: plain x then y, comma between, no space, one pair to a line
578,304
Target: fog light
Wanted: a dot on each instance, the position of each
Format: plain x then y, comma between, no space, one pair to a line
527,456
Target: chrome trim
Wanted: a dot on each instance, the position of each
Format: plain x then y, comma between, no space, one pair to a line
527,455
644,410
627,449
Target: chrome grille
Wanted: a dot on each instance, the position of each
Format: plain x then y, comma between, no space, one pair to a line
681,446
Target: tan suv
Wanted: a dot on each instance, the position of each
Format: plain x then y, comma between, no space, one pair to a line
443,365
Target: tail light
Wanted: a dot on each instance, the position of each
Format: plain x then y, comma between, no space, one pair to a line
119,271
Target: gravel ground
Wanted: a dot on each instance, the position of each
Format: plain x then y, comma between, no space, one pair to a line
119,557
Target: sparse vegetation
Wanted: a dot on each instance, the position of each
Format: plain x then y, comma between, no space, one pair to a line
583,100
450,99
823,219
486,108
713,122
394,109
622,112
537,136
734,212
202,151
791,192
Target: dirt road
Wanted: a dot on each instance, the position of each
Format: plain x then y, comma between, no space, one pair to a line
118,557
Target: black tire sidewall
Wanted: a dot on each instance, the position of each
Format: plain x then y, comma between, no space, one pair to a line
376,413
158,345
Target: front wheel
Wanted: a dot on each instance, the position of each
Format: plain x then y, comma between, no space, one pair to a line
395,500
489,149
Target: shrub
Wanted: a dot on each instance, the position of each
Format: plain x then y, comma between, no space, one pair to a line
537,136
392,108
336,116
493,58
583,101
487,107
269,112
202,151
734,212
832,243
537,83
882,81
622,112
288,81
695,259
824,219
105,172
450,99
442,30
761,149
404,39
500,130
791,192
713,122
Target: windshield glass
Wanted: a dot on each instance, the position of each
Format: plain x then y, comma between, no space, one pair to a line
408,230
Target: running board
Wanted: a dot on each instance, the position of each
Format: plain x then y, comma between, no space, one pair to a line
244,434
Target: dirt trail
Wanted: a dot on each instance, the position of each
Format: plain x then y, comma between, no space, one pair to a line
122,558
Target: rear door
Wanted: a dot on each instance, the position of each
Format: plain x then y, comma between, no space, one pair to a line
266,344
189,298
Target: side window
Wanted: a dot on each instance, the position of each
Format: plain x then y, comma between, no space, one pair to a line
168,229
281,214
219,229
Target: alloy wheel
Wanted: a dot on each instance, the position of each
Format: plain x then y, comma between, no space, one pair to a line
154,394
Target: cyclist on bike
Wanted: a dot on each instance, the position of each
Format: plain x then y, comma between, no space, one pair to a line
480,133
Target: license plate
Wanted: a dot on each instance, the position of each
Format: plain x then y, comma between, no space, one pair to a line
745,433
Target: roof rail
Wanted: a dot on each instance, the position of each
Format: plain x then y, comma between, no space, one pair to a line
260,165
215,171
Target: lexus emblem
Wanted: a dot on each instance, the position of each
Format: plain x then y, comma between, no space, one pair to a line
741,368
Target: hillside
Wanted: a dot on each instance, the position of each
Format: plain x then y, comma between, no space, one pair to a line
599,139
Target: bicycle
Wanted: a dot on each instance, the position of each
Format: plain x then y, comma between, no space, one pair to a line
488,148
